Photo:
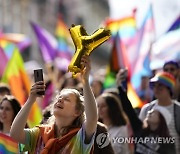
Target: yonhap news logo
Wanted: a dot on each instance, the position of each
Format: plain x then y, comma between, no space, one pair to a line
102,140
144,140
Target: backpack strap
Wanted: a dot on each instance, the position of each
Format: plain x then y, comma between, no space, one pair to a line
177,116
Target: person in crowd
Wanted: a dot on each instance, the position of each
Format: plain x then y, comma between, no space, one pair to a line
154,126
173,68
53,80
9,107
4,90
144,92
67,131
163,84
68,81
102,144
112,115
97,86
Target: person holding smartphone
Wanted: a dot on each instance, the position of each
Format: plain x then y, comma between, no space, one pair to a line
67,130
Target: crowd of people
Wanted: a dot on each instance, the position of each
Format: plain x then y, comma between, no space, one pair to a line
81,117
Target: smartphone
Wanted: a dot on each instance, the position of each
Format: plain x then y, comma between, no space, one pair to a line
38,76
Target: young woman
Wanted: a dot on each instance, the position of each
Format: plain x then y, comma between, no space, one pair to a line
9,107
112,115
67,132
151,135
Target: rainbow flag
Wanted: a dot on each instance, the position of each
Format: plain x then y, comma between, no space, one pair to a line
3,61
19,83
123,30
8,145
126,27
8,47
133,97
65,45
21,40
118,60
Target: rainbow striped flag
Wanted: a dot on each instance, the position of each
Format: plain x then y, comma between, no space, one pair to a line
65,45
126,27
3,61
118,60
133,97
122,30
18,80
21,40
8,145
8,47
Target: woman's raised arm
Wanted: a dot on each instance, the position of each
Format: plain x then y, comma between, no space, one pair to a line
89,99
17,129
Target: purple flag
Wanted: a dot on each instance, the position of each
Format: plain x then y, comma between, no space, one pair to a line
47,43
3,61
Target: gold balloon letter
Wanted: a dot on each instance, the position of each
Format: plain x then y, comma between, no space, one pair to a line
85,44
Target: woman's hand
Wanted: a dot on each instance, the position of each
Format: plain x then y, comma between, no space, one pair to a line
36,87
121,76
85,62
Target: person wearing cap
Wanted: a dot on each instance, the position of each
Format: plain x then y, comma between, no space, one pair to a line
163,84
173,68
154,126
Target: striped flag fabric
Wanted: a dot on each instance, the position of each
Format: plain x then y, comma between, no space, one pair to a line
126,27
145,39
8,145
65,45
3,61
20,40
16,77
118,60
166,48
8,48
133,97
136,55
122,31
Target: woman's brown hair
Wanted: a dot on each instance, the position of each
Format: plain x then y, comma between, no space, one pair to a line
115,110
14,104
79,107
161,131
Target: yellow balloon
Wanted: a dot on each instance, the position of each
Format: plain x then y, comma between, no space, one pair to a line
85,44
